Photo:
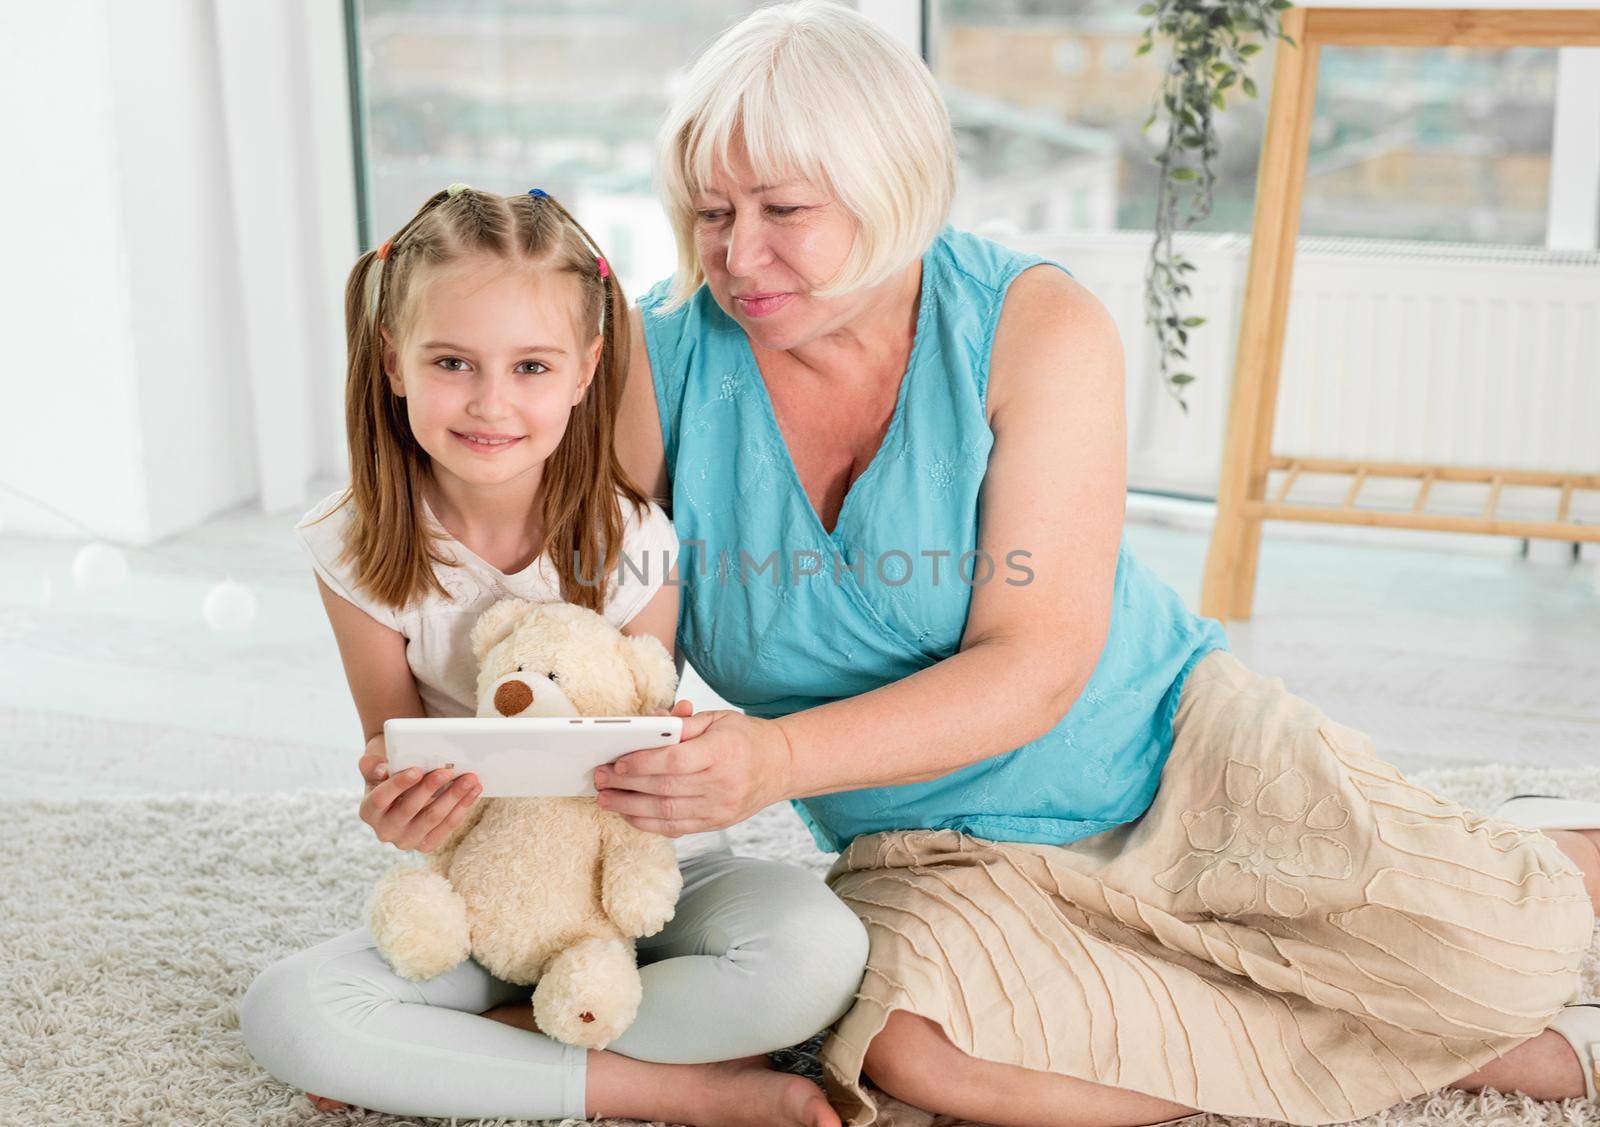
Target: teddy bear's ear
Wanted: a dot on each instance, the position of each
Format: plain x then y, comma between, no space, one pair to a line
495,624
653,672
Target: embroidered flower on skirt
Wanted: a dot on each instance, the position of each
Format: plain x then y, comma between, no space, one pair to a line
1247,854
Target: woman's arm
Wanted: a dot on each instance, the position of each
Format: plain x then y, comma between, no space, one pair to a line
643,457
1055,487
638,429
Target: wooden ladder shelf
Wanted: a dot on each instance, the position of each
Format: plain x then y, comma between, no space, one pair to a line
1242,505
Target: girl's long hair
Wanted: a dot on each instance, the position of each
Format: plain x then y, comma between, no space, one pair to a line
387,543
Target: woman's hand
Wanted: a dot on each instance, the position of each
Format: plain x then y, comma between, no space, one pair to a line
725,768
413,811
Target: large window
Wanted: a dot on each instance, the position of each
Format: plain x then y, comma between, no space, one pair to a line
513,94
1048,98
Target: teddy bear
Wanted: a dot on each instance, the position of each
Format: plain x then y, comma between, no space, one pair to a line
550,891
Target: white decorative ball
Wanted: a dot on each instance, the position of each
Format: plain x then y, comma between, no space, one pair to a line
99,568
229,606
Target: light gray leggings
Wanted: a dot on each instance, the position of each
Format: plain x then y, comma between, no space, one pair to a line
759,956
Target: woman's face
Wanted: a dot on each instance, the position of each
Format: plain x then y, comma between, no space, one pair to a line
764,249
491,367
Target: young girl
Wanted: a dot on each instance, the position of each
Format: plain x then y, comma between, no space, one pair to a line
486,357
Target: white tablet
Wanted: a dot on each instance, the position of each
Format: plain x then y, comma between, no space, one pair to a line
524,756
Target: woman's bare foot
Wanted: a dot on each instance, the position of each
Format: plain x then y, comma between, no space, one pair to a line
322,1103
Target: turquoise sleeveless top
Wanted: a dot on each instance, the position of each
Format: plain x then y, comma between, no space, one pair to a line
779,615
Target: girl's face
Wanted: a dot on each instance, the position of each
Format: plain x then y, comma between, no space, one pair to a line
491,367
765,247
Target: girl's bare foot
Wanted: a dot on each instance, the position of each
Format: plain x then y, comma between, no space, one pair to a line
736,1093
748,1093
519,1014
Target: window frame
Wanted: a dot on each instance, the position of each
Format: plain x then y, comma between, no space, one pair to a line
1573,209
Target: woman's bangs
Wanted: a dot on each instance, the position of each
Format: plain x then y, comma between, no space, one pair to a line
778,147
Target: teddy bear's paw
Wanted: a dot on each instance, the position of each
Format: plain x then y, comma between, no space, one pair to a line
589,993
419,922
641,902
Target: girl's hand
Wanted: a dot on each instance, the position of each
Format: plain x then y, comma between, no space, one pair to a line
374,762
726,767
682,708
413,811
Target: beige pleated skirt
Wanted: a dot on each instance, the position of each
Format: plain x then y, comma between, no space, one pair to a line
1292,930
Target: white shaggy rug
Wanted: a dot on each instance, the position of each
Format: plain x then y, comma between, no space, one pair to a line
130,928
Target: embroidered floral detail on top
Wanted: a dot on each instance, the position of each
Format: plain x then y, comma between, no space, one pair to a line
948,470
1243,851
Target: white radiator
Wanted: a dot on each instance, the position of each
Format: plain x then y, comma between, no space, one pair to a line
1400,352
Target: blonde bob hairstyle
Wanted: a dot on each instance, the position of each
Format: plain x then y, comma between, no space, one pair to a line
820,91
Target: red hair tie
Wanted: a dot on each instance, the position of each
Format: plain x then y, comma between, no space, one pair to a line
605,269
383,251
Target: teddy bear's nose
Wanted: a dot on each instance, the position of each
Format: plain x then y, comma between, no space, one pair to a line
512,698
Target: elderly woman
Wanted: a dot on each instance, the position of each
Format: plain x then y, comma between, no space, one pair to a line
1109,874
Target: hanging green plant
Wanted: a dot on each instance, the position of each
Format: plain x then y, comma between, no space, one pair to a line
1211,46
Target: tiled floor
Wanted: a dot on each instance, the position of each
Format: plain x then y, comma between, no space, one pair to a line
1445,657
